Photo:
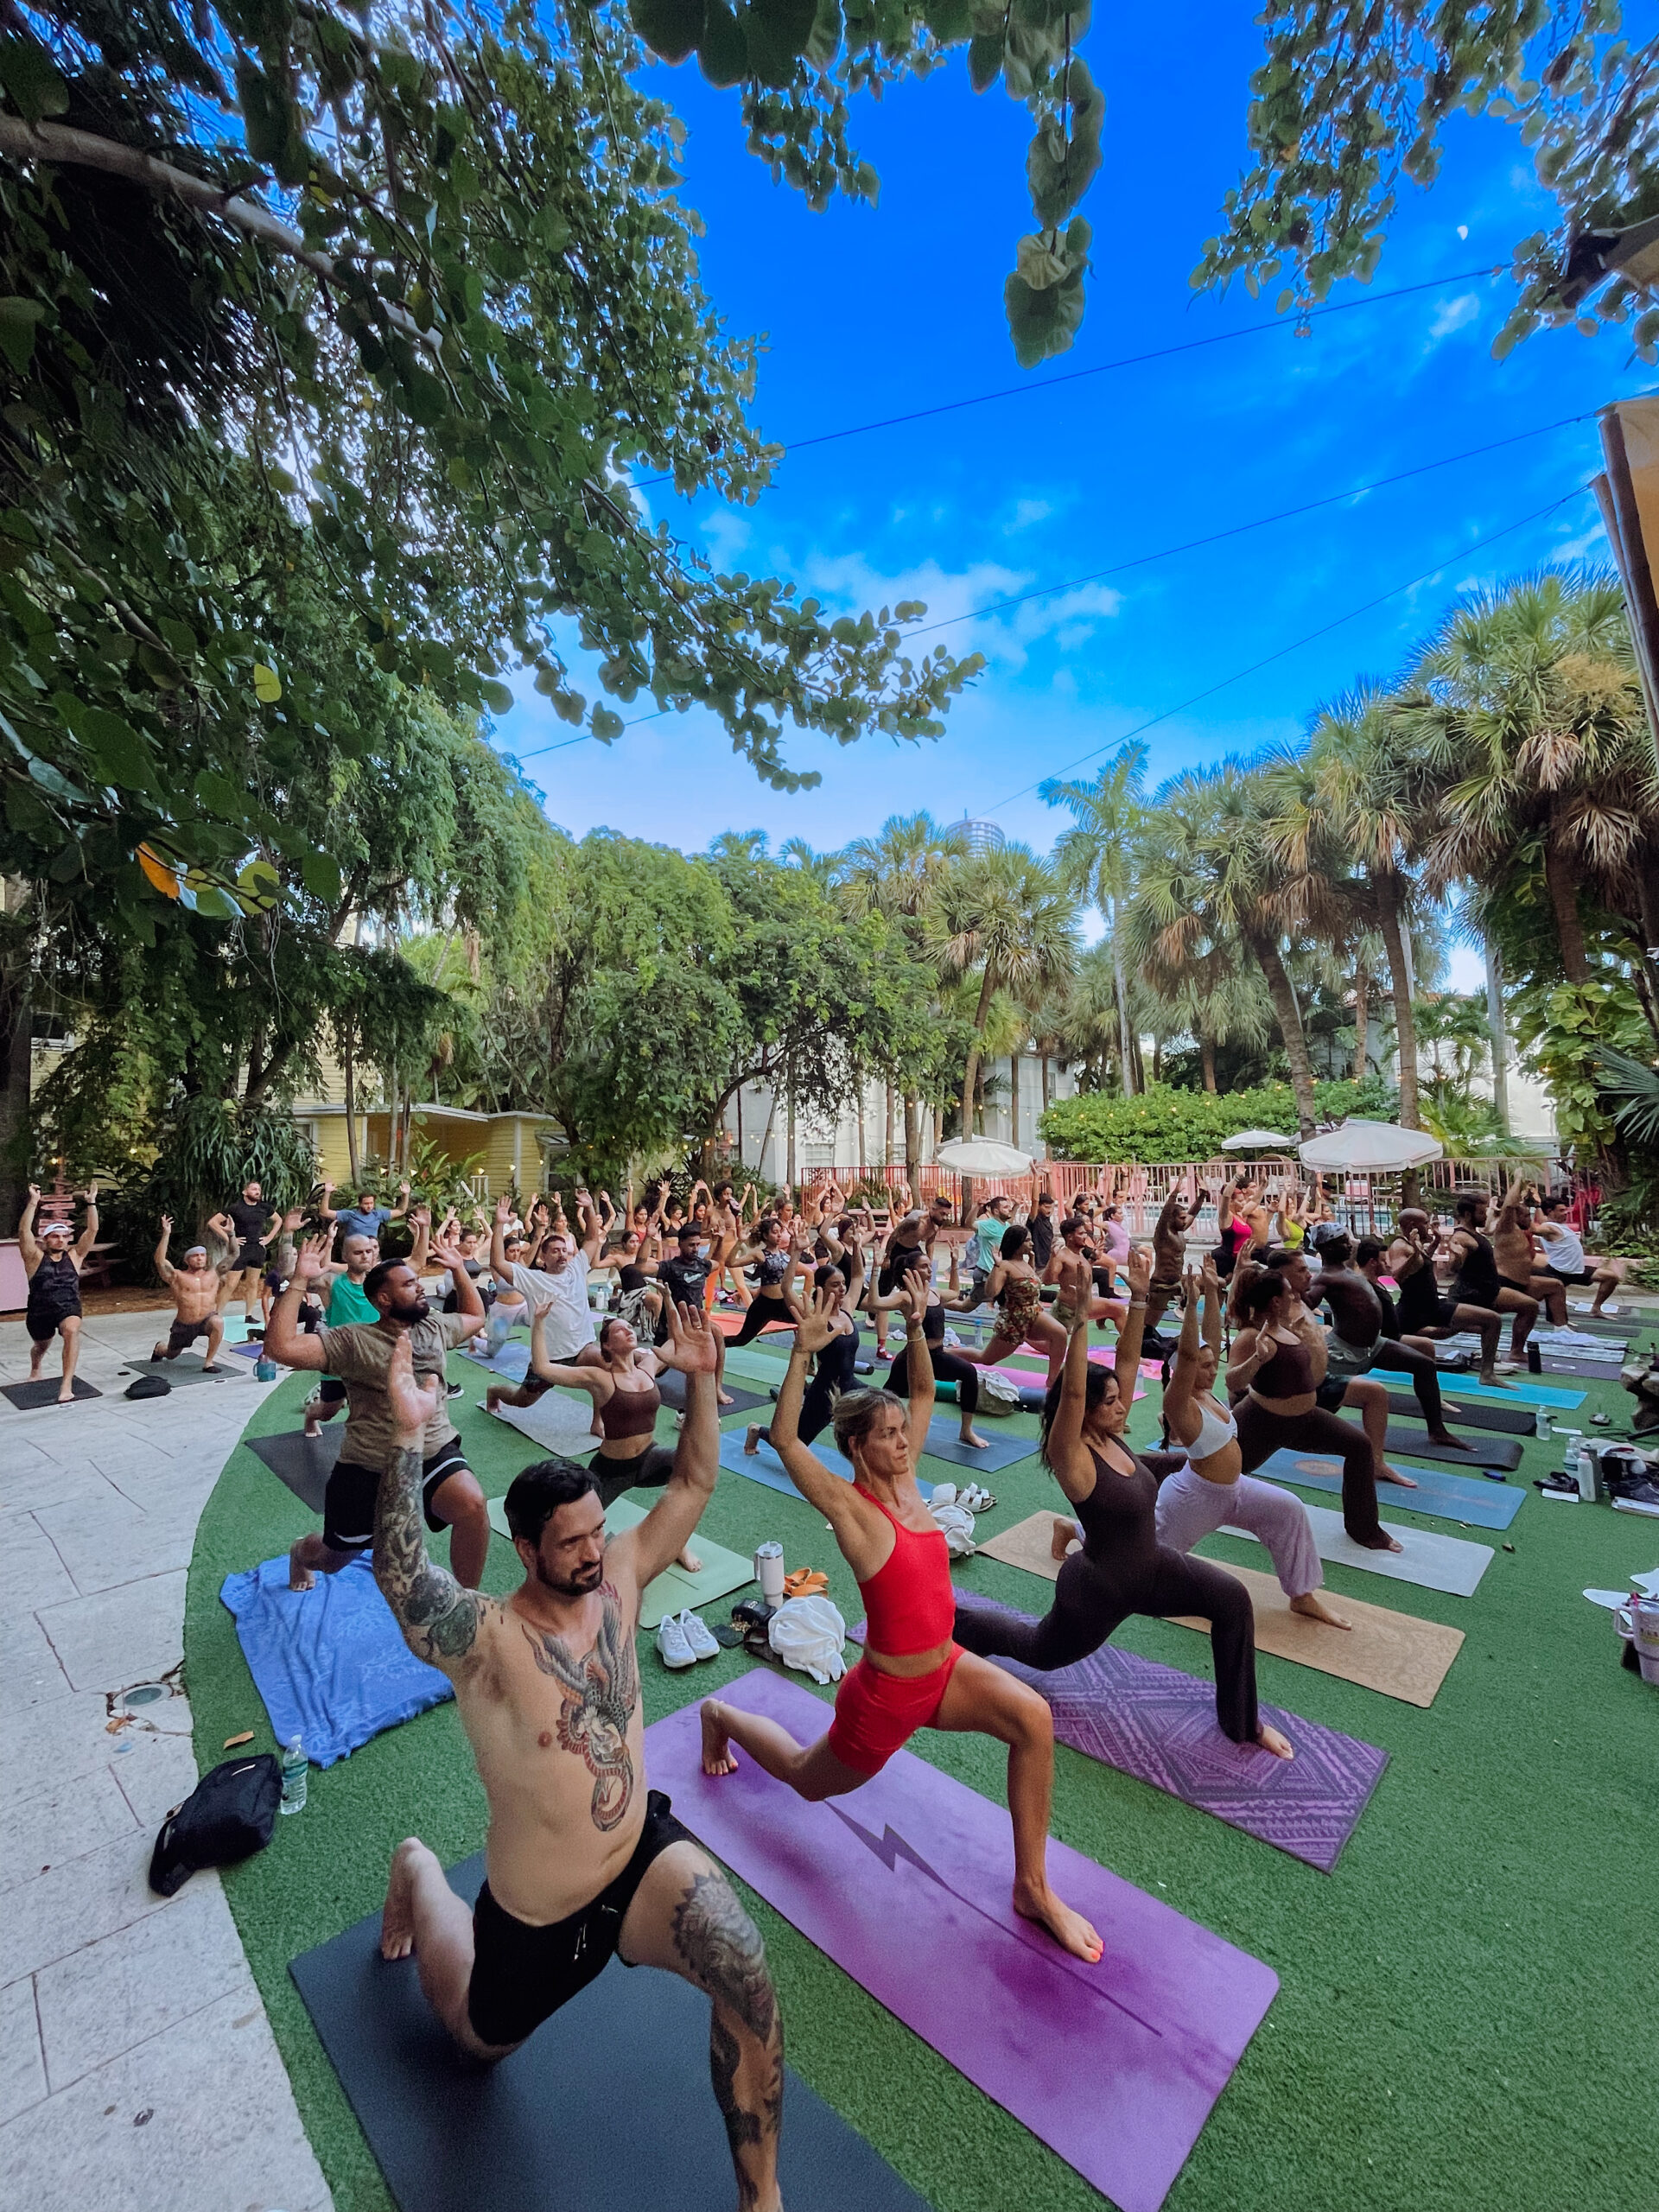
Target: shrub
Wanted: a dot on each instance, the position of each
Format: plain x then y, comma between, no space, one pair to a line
1168,1125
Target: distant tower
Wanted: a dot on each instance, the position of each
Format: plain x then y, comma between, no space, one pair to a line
979,837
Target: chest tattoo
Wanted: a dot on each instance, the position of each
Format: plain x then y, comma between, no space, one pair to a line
601,1691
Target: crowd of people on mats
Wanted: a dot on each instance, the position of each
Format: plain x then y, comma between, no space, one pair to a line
1277,1326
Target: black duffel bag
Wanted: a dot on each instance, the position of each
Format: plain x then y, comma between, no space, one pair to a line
229,1815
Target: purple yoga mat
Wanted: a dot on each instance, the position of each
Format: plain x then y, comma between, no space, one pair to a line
1159,1725
905,1885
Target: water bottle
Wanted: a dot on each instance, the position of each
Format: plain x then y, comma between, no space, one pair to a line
294,1769
264,1369
1544,1430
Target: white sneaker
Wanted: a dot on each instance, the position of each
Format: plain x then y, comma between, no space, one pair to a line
698,1637
672,1646
1508,1366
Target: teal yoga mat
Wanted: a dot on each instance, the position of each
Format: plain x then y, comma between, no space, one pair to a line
1443,1497
1526,1391
763,1466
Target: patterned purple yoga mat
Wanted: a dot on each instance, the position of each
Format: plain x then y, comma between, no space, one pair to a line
1159,1725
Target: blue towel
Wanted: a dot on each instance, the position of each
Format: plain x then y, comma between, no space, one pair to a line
329,1663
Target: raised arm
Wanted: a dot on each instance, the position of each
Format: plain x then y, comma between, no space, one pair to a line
1069,1458
593,1235
164,1265
28,1243
1126,1360
1210,1285
658,1540
1178,1392
396,1212
285,1340
1225,1206
420,1220
914,1305
439,1618
834,1497
597,1381
325,1210
498,1240
88,1236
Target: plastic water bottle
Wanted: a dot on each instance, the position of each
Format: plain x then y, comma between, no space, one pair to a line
294,1770
264,1369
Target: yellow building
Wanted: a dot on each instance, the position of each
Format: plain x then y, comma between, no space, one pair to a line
513,1150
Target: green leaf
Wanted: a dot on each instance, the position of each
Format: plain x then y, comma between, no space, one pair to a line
1060,170
947,20
267,685
118,753
31,79
217,905
221,796
777,32
984,62
825,42
495,695
606,727
1042,323
671,27
722,51
19,320
319,873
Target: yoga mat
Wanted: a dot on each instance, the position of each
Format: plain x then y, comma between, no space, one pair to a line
510,1364
559,1421
1394,1654
303,1462
674,1590
1523,1390
1029,1380
1500,1420
1482,1451
763,1467
27,1395
1450,1564
905,1884
1445,1497
1591,1371
1159,1725
531,2134
180,1372
1621,1330
671,1386
330,1664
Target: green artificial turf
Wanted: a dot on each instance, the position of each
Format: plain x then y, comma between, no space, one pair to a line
1464,2004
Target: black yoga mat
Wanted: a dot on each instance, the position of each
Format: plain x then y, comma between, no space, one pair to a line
185,1369
1592,1370
1484,1451
27,1395
303,1462
607,2108
671,1386
1506,1420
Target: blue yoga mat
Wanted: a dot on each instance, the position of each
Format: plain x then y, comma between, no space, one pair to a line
510,1364
1444,1497
1526,1391
763,1467
328,1663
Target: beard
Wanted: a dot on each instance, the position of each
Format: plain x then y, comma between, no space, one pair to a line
418,1309
581,1584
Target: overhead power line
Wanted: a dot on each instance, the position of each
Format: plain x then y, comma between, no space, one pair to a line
1124,361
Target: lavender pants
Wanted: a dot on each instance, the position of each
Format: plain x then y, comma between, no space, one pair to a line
1189,1507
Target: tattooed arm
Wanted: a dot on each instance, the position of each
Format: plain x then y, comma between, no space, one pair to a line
439,1618
644,1551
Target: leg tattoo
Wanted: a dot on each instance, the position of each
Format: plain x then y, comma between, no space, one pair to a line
722,1952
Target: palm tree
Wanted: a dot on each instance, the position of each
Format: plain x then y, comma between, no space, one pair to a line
1528,715
1208,884
1096,858
1004,916
1341,816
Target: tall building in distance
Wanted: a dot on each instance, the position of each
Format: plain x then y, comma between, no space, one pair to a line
980,836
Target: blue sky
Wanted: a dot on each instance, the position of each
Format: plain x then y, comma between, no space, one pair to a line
867,313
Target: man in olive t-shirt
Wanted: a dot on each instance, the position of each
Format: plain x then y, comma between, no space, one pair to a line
360,1354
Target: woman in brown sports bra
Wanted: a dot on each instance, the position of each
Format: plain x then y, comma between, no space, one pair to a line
626,1404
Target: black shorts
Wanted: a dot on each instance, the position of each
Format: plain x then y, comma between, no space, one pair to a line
1332,1391
331,1391
43,1326
522,1974
251,1259
1509,1282
1584,1275
1439,1316
649,1472
349,1503
182,1334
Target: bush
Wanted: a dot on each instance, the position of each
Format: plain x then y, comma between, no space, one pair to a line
1169,1125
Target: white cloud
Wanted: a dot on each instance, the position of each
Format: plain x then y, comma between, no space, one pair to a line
1454,316
1028,511
848,582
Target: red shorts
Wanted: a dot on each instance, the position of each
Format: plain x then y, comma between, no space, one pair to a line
876,1714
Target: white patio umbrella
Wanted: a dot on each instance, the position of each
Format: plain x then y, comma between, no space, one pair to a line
983,1156
1254,1139
1370,1148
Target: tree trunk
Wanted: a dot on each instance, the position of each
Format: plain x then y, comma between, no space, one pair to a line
1265,953
1561,878
1048,1100
1500,1044
1207,1062
863,1146
970,1073
349,1066
1156,1059
913,1139
1125,1040
1390,904
1138,1065
886,1133
16,1050
1014,1100
788,1140
1361,1021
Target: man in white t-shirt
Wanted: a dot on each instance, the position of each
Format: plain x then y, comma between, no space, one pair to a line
1565,1257
558,1279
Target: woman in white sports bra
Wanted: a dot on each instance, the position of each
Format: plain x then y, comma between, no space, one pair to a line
1210,1491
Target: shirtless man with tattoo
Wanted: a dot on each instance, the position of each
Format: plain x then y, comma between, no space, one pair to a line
1168,1257
195,1287
582,1859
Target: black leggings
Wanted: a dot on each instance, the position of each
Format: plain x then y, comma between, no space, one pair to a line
817,1404
1091,1601
947,1367
1262,1433
649,1472
1400,1359
761,1311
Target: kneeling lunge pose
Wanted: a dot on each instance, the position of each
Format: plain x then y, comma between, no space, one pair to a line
581,1860
195,1287
1211,1492
912,1675
1122,1568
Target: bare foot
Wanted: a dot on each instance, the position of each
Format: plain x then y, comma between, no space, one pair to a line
1314,1608
689,1559
210,1367
1387,1474
1069,1929
313,1427
751,1438
1064,1535
67,1395
1271,1740
726,1398
397,1914
717,1758
1493,1381
300,1576
493,1398
971,1438
1381,1542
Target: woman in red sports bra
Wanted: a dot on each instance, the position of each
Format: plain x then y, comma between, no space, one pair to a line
913,1674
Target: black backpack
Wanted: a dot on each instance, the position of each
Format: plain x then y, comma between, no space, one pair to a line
228,1815
148,1386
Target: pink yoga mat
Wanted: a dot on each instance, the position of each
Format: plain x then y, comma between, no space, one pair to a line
905,1885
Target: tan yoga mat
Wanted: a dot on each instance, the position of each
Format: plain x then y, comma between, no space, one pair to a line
1394,1652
